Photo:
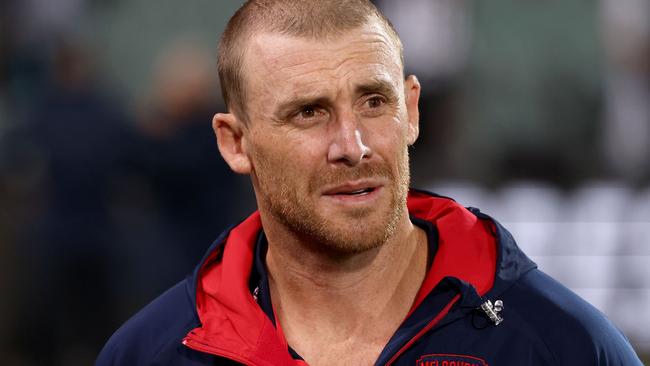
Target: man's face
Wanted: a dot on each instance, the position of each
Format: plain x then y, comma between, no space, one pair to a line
328,134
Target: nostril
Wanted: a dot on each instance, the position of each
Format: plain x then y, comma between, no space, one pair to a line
348,147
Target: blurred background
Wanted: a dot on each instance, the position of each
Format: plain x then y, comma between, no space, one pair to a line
111,185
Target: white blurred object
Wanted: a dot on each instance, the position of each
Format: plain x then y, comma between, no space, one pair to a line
465,193
626,132
530,211
626,24
634,272
435,34
627,123
592,218
590,231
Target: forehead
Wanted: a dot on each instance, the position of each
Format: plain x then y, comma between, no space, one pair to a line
279,61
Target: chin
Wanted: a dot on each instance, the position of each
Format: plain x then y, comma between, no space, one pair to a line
356,234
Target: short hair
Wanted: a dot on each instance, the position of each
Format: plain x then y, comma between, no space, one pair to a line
314,19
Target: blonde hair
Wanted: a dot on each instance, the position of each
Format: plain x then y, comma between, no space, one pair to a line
314,19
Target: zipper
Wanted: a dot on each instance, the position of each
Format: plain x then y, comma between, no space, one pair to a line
202,347
424,330
198,345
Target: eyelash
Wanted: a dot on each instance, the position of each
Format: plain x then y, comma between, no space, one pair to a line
376,98
317,110
314,109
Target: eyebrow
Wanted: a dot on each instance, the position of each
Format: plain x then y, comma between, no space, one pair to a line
292,104
374,85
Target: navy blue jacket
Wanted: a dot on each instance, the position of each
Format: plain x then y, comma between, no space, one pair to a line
212,318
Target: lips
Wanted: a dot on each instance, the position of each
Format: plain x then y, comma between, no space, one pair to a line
352,189
359,192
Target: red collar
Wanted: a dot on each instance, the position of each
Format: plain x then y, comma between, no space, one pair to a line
467,248
234,326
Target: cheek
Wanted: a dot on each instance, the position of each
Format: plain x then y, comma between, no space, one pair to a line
267,160
392,138
290,160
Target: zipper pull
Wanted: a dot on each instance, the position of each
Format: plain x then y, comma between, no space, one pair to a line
492,310
256,293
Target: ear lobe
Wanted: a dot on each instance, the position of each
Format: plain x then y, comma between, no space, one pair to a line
230,139
412,93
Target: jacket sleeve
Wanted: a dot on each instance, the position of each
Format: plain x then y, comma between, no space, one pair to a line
155,331
574,332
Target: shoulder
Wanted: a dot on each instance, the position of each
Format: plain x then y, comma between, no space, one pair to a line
157,328
572,330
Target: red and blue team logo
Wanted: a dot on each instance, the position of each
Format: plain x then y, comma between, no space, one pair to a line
449,360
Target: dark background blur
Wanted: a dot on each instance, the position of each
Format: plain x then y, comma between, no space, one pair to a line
111,185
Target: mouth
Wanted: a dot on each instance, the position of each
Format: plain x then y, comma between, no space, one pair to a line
358,192
353,192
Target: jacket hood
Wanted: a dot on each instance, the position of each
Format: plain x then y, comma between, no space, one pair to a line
472,248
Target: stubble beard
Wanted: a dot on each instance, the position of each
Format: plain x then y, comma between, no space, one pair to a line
362,229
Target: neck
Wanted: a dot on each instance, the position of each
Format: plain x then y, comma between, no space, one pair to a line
361,297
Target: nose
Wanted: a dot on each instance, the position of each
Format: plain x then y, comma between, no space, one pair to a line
347,145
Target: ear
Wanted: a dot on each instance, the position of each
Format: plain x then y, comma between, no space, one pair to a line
412,93
230,139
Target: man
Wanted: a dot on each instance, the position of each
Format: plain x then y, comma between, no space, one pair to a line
342,265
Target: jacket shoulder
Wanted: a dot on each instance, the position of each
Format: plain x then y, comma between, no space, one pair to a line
573,331
156,329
